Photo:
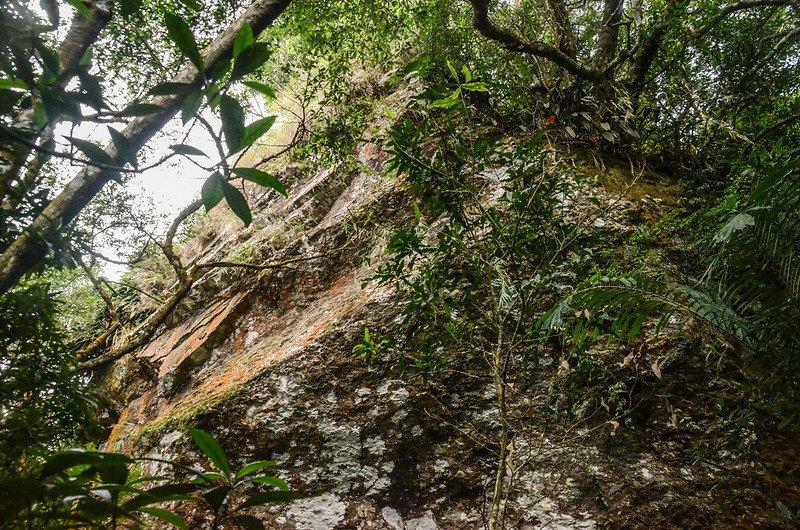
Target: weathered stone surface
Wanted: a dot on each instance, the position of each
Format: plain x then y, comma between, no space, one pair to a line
266,366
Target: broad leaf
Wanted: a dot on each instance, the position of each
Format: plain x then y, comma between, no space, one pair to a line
252,467
244,40
13,83
68,459
129,8
211,192
124,148
261,178
216,496
270,496
453,72
188,150
270,481
238,204
205,441
256,130
93,152
181,35
475,87
261,88
190,106
250,60
232,122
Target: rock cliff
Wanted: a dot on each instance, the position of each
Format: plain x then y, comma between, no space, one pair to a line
263,360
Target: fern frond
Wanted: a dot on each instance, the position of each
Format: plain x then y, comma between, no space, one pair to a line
622,307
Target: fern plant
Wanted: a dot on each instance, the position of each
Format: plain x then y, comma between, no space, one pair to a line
749,293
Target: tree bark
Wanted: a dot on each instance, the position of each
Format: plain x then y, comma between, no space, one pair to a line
31,247
483,24
83,32
609,34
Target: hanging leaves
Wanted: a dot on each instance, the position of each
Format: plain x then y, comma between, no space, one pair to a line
180,33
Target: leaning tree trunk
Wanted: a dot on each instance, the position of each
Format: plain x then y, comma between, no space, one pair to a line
31,246
83,32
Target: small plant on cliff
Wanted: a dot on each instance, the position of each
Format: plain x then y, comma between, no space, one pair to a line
94,490
220,487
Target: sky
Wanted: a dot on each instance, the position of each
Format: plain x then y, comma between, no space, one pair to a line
167,188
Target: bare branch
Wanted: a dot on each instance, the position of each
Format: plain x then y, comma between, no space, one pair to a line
483,24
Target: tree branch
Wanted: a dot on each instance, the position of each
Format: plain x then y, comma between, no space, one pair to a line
31,246
483,24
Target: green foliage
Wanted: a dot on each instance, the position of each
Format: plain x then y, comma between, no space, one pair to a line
748,294
469,268
43,402
90,489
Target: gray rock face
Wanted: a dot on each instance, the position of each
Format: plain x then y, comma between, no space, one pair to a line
266,366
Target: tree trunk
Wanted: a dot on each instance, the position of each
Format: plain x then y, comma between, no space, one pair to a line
31,247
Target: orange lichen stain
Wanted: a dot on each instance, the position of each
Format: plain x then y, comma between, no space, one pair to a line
341,283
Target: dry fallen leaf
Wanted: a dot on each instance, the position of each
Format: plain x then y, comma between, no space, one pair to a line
656,369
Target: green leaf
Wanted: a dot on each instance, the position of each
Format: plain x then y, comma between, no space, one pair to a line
238,203
113,472
211,192
190,106
261,88
159,494
52,103
124,148
453,72
232,122
181,35
249,522
68,459
140,109
467,74
194,5
250,60
81,7
738,222
205,441
188,150
93,152
252,467
270,496
40,116
13,83
170,88
256,130
50,59
270,481
128,8
86,60
261,178
166,516
444,103
475,87
244,39
207,477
